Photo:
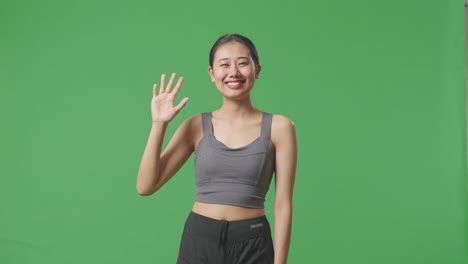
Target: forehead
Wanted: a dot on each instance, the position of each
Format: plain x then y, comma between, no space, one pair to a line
232,49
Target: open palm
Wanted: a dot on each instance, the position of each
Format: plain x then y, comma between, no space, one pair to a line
162,104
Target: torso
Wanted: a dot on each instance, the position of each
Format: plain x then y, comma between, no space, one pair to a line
226,212
246,133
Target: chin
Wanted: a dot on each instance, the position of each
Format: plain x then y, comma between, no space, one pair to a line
236,95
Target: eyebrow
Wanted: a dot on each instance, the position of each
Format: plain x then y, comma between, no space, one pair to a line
237,58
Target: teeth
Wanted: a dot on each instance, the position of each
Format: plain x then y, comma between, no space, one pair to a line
233,83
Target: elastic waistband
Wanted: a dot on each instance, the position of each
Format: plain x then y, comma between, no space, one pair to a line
232,231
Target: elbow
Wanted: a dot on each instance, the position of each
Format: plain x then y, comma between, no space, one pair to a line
283,205
144,190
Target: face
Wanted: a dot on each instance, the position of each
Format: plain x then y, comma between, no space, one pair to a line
234,71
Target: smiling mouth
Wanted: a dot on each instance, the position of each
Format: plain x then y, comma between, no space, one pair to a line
234,85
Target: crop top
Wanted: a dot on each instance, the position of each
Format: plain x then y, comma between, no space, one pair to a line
234,176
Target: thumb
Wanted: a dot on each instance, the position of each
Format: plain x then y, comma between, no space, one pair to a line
182,104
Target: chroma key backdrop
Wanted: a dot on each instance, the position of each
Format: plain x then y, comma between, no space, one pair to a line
376,90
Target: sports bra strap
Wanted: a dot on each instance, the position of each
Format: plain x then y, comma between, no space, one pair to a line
206,123
266,124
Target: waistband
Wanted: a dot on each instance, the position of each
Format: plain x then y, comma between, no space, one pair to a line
226,232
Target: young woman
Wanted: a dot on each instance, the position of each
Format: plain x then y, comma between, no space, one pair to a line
237,148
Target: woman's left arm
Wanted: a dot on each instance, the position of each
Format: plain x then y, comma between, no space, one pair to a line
284,140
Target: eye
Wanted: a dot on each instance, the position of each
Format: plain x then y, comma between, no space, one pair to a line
243,63
224,65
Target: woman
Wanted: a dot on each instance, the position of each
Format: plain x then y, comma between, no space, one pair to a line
237,148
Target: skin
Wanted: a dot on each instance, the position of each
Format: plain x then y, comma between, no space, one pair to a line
237,123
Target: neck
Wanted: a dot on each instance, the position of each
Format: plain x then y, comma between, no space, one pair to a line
237,108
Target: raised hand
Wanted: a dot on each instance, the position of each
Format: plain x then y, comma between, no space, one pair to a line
162,105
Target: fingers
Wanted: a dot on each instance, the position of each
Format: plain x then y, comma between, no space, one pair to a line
155,90
181,104
163,88
162,85
169,85
177,87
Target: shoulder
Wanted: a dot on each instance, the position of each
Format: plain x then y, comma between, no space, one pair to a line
192,128
281,123
193,119
192,123
282,129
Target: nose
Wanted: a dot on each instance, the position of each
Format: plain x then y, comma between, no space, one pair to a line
234,71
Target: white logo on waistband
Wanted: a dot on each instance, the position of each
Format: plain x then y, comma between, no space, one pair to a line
256,225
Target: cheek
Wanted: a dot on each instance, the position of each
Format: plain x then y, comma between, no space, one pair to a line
248,72
220,75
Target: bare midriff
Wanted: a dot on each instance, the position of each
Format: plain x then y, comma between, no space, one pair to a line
226,212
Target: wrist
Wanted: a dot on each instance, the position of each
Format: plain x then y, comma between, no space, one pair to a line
159,124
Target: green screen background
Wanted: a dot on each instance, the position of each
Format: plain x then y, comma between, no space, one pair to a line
376,90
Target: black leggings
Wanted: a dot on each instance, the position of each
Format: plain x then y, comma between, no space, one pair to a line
209,241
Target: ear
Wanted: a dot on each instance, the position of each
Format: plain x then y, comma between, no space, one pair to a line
210,72
258,68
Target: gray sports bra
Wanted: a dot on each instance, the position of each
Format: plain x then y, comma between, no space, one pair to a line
234,176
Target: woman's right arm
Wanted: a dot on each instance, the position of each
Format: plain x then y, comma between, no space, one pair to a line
156,168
